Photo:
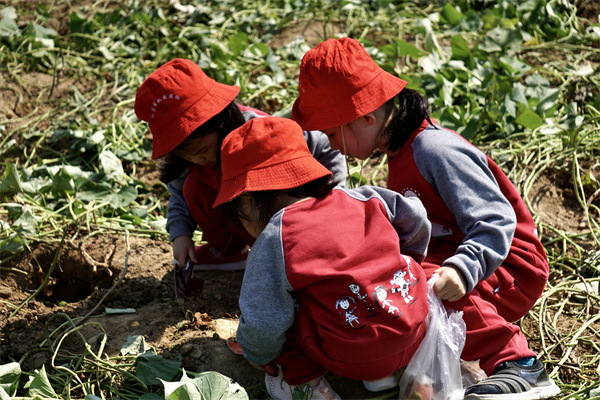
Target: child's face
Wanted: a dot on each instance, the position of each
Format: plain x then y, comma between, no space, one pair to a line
203,150
358,138
251,215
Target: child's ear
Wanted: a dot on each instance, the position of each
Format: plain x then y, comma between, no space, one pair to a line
369,118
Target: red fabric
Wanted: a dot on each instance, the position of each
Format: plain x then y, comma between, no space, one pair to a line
369,337
339,82
520,280
200,190
176,99
509,293
266,154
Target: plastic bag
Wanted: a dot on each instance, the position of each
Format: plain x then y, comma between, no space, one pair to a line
434,371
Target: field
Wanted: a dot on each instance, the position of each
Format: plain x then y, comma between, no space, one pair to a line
85,261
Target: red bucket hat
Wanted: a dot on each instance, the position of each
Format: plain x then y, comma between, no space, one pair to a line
339,82
176,99
266,154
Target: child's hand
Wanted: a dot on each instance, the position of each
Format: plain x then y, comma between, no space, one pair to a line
451,285
183,247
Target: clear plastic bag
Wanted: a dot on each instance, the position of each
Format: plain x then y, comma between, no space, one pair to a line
434,372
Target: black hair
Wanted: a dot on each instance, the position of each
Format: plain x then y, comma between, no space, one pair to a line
267,201
170,166
410,108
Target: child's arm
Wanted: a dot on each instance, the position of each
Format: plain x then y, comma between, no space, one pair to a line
266,302
407,215
451,285
461,175
180,223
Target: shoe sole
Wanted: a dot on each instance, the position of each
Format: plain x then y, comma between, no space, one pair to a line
232,266
381,385
537,393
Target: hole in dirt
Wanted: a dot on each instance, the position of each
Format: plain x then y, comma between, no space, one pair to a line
77,274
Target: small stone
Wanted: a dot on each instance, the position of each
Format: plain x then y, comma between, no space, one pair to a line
186,349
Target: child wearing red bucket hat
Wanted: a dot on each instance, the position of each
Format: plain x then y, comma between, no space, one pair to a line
189,114
333,280
484,242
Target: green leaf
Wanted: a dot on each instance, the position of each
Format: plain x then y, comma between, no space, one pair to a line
14,243
135,344
501,39
123,197
407,49
112,166
150,367
11,182
40,385
8,23
9,376
460,48
548,103
238,42
14,211
206,386
529,119
26,224
590,182
62,183
451,14
514,66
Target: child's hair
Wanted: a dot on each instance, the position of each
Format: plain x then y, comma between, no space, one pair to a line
267,200
410,109
170,166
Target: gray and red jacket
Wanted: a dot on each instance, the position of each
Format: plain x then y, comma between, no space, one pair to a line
343,271
479,220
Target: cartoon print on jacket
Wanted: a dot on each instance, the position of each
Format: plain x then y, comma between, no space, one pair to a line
412,277
354,288
380,296
344,304
404,285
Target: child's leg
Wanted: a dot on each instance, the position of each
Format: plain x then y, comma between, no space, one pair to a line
517,284
298,372
223,237
490,338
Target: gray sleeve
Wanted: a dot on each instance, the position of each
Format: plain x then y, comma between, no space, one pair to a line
266,300
333,160
179,219
407,215
460,173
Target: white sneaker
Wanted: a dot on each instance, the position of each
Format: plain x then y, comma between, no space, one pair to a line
379,385
279,389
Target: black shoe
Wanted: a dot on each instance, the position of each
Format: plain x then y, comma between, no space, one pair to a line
513,381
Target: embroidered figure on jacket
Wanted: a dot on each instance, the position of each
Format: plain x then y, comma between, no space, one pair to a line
354,288
412,277
404,286
380,296
344,304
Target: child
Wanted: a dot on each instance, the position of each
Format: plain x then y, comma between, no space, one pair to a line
333,280
189,114
484,244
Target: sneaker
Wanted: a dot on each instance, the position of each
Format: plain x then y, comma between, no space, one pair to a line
279,389
211,259
514,381
379,385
